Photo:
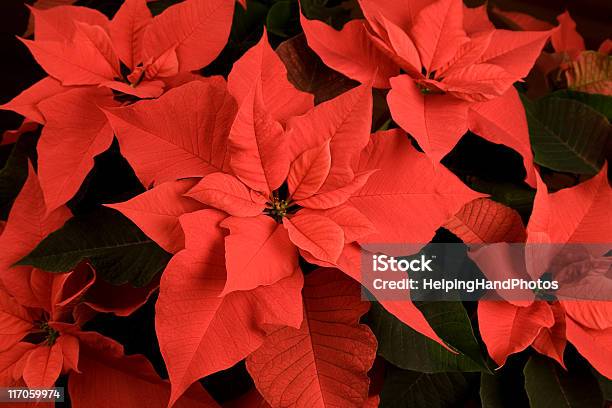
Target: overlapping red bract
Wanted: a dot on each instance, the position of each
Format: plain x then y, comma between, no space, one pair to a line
325,361
457,70
41,316
245,176
574,215
282,185
82,51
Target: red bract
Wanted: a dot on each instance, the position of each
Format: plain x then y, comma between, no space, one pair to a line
90,59
578,214
275,186
324,362
27,225
448,69
41,316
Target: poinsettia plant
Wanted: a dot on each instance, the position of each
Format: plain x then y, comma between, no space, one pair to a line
197,187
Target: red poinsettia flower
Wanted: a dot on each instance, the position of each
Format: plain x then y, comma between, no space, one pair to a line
27,225
576,215
41,315
37,344
93,62
275,185
584,71
448,68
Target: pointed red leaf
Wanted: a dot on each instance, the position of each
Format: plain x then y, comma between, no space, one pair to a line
565,38
515,51
109,378
437,122
99,39
75,132
438,32
258,146
258,252
15,321
345,122
145,89
486,221
410,197
402,13
476,20
354,224
59,23
164,66
121,300
594,345
324,363
318,235
200,112
350,263
334,198
521,21
127,30
87,59
225,192
28,224
502,120
478,82
590,314
507,329
70,351
68,289
467,54
26,103
11,136
551,341
579,214
605,47
197,29
43,366
261,63
156,212
350,51
194,324
12,362
309,171
397,45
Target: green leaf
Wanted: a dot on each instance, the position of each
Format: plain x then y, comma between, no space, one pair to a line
519,198
15,172
548,386
490,396
567,135
117,249
605,385
408,349
601,103
283,18
411,389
